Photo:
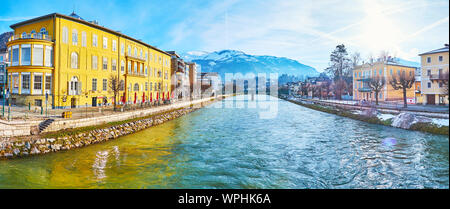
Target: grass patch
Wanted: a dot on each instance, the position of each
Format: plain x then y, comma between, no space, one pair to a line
430,128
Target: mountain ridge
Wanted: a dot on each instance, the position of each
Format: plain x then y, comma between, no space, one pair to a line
234,61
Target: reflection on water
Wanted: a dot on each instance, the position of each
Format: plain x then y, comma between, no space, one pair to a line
225,147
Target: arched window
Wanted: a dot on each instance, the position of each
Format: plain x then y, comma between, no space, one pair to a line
141,53
43,31
135,52
33,33
129,67
136,87
74,86
74,60
24,34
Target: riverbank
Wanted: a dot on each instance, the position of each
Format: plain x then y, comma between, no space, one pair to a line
83,136
420,126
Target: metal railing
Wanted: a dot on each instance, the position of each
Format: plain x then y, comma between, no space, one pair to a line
38,36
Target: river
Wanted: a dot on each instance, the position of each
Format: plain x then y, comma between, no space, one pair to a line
223,147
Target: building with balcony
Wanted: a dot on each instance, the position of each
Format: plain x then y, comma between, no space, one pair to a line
180,73
72,61
434,76
195,89
388,69
3,64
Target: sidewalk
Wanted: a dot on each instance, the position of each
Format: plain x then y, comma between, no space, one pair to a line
21,127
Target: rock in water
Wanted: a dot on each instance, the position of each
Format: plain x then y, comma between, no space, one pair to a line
405,120
372,112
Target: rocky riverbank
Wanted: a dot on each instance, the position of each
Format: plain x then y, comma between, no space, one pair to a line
407,121
66,140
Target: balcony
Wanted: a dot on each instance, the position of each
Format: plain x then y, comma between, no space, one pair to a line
35,36
365,89
438,77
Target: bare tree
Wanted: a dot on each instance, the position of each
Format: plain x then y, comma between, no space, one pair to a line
403,82
114,86
376,84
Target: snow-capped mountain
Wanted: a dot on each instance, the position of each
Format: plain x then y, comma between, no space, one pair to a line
233,61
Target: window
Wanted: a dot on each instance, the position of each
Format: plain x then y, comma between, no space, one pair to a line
105,84
428,59
165,87
428,72
48,56
43,31
151,86
15,55
390,72
398,72
141,69
94,84
38,55
135,52
380,72
94,40
25,83
122,49
136,87
38,102
25,54
74,86
94,62
151,71
114,45
65,35
129,50
37,83
105,63
129,67
114,65
429,85
166,76
440,84
140,52
83,39
74,37
146,71
24,35
74,60
48,82
105,42
146,86
146,56
122,66
441,58
15,83
410,73
135,68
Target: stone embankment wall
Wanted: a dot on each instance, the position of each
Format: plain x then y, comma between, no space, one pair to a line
25,147
33,145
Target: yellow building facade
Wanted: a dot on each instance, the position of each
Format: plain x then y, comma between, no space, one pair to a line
73,61
434,75
387,70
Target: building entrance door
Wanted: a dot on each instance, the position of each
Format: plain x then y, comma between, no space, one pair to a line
94,101
430,99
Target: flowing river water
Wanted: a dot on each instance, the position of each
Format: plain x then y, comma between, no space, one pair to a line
234,147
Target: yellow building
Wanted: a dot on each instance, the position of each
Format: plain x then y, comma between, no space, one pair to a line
387,69
434,76
73,61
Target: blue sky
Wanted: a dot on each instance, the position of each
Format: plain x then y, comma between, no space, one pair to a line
306,31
